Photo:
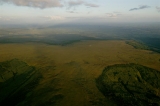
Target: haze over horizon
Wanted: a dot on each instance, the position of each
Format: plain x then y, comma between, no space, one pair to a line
78,11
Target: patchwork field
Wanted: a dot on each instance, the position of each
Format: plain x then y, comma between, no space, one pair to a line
69,72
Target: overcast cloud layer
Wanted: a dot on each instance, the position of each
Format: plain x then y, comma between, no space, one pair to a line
35,3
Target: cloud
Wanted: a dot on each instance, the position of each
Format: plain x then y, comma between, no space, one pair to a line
48,3
6,18
35,3
75,3
54,17
71,12
113,15
158,9
91,5
80,2
140,7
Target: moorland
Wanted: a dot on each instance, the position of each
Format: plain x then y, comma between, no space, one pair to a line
57,66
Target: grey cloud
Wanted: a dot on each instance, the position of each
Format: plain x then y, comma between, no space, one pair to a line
75,3
133,9
6,18
35,3
91,5
117,12
80,2
113,15
140,7
158,9
71,12
54,17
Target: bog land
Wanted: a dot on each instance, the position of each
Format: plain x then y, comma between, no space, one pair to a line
68,73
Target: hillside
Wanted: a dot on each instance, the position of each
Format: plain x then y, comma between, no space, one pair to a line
130,84
16,79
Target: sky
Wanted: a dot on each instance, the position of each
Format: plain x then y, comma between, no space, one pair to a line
80,11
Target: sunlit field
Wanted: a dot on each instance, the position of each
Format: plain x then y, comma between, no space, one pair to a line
69,72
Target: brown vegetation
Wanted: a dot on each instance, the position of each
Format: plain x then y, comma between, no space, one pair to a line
69,72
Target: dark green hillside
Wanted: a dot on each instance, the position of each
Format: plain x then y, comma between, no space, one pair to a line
130,85
16,80
137,45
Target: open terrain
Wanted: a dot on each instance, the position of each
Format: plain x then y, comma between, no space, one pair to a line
79,53
69,72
